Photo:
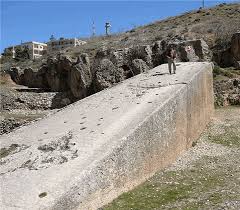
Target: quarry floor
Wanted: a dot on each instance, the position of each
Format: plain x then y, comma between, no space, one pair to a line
205,177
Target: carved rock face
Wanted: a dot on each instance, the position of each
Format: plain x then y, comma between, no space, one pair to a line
201,49
193,51
107,74
235,46
187,51
108,67
158,50
139,66
58,72
64,74
81,78
143,52
230,56
35,79
16,75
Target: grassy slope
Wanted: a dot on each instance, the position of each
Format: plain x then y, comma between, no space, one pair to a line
210,181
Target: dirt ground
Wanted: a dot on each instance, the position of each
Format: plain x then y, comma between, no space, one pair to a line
205,177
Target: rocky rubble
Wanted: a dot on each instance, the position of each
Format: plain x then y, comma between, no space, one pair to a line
20,105
227,92
9,124
31,99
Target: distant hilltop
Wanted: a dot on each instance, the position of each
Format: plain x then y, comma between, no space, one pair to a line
215,26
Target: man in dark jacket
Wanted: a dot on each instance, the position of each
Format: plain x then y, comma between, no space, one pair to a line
171,56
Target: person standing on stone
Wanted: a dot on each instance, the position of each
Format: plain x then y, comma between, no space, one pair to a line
171,56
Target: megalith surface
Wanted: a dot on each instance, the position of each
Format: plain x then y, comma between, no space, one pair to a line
93,150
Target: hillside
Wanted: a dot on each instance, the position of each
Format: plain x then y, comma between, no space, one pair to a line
215,25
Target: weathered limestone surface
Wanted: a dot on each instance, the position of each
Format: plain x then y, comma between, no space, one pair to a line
93,150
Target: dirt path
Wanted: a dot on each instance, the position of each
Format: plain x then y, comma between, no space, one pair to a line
206,177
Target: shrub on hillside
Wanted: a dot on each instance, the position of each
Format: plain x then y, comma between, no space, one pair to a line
217,71
224,72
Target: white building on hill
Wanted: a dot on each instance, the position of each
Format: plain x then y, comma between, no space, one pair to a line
35,49
62,43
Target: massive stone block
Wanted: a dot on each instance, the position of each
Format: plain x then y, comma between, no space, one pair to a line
93,150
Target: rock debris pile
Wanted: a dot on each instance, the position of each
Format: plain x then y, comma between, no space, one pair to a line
227,92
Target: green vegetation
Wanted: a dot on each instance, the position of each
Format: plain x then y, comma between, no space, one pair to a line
230,136
191,189
224,73
208,183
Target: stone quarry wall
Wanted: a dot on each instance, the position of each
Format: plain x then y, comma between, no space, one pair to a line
148,121
82,76
230,56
